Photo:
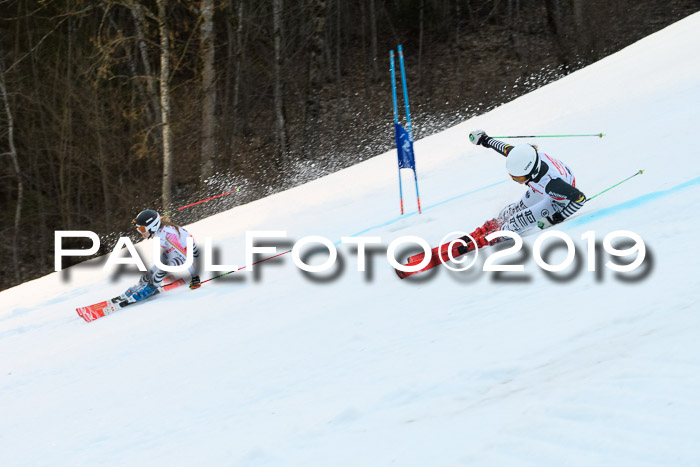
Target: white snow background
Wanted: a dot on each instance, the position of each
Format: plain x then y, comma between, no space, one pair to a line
348,368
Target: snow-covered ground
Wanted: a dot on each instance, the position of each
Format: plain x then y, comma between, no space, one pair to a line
278,367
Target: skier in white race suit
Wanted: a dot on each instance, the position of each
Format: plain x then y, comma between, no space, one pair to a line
173,243
551,197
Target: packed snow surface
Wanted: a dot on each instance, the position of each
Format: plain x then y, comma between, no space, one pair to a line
354,368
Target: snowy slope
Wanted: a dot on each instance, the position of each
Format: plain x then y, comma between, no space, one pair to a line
277,367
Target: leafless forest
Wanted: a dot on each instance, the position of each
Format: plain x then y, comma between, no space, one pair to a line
110,107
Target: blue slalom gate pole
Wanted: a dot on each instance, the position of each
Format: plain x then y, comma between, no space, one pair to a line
405,94
396,117
408,117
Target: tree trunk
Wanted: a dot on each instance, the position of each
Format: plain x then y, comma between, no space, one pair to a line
165,105
313,100
65,148
40,155
555,27
582,30
313,97
206,37
458,49
280,121
240,60
15,164
365,67
233,73
513,23
373,39
421,15
133,68
102,162
338,74
140,24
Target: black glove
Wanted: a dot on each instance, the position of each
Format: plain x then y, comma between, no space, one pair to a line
477,137
195,283
549,221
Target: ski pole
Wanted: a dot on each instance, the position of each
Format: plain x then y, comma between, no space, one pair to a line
236,270
599,135
203,201
641,171
243,267
209,199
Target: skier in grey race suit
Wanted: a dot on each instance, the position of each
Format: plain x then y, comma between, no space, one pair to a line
551,196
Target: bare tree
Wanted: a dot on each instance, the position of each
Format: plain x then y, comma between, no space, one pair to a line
421,28
234,48
165,104
373,39
582,30
206,41
313,99
554,22
139,15
280,120
102,159
513,21
65,179
15,163
338,74
458,48
42,139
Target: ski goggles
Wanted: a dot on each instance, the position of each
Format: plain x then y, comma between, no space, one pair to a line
141,228
521,179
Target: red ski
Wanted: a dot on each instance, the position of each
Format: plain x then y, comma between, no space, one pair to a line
101,309
441,254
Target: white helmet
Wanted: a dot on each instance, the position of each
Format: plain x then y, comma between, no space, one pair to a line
523,161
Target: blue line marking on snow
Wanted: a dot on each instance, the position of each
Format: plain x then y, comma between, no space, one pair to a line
405,216
633,203
465,194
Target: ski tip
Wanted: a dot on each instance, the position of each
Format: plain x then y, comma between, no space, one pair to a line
86,314
401,274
